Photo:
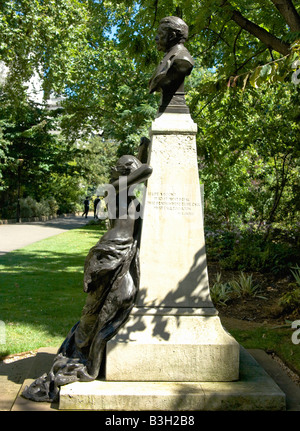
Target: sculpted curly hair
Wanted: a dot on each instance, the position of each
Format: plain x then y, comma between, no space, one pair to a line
176,24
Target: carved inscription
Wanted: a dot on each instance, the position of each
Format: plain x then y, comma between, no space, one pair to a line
172,201
177,150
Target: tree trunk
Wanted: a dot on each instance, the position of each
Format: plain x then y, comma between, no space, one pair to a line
281,182
263,35
289,13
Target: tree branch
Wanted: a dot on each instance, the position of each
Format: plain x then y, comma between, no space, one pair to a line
251,58
155,13
289,13
263,35
281,181
234,48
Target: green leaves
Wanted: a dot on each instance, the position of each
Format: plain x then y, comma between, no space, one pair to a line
44,36
100,55
276,71
247,146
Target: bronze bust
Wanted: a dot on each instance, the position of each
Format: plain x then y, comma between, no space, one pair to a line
175,66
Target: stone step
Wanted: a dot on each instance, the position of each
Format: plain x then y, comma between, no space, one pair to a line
255,390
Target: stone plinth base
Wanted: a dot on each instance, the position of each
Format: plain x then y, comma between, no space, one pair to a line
255,390
177,348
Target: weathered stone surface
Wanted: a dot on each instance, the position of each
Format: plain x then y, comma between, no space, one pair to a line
172,348
172,255
255,390
174,333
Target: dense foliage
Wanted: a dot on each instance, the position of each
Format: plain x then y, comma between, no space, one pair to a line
42,164
243,94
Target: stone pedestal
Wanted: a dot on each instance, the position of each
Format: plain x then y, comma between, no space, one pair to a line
174,333
173,353
172,348
172,250
255,390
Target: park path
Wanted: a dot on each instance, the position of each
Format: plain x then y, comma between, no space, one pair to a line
18,235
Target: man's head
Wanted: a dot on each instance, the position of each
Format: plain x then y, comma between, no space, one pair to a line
171,31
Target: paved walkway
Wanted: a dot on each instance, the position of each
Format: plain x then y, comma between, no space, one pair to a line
15,236
13,376
16,374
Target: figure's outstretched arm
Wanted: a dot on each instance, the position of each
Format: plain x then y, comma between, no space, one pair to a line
138,176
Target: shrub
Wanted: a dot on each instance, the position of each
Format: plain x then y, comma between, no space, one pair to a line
69,207
296,273
220,292
29,207
52,206
290,301
243,286
219,244
250,251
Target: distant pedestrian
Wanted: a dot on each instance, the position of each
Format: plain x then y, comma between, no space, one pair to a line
96,201
86,207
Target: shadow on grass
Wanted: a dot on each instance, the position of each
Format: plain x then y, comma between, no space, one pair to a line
42,290
41,286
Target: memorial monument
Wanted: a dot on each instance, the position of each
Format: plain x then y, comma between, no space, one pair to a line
150,337
173,333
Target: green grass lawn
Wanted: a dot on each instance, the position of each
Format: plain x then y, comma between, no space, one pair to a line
41,297
41,289
278,340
